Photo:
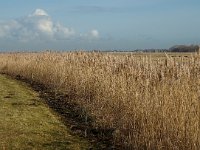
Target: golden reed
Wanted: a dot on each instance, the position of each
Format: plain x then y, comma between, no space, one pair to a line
152,102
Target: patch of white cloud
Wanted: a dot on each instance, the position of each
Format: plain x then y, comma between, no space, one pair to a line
91,35
6,29
45,25
39,26
39,12
94,33
62,32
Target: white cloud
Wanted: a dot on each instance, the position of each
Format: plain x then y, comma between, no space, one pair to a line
45,25
39,12
91,35
62,32
94,33
39,26
7,28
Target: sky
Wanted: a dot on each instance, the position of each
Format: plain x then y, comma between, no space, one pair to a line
98,24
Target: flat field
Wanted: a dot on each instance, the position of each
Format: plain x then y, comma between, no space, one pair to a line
147,100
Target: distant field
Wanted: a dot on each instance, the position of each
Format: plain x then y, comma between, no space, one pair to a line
149,100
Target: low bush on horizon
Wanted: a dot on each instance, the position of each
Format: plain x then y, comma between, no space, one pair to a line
152,103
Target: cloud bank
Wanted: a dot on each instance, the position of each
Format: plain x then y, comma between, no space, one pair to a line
39,26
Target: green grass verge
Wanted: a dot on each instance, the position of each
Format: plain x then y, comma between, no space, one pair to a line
27,123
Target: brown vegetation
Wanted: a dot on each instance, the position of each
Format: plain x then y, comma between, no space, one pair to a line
151,103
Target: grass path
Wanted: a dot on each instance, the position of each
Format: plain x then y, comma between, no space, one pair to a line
27,123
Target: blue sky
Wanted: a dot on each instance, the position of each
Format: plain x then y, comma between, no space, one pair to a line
98,24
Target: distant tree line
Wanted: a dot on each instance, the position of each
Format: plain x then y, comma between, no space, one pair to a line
176,48
184,48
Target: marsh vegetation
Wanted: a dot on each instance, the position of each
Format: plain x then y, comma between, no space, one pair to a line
148,101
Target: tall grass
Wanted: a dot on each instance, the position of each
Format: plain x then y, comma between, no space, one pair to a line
152,103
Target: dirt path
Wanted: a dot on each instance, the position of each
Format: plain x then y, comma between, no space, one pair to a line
27,123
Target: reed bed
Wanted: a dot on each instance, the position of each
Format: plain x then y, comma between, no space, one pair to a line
151,103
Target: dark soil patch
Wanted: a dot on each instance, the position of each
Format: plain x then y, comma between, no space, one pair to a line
8,96
24,104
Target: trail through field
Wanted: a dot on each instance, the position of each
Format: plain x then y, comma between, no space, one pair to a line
26,122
